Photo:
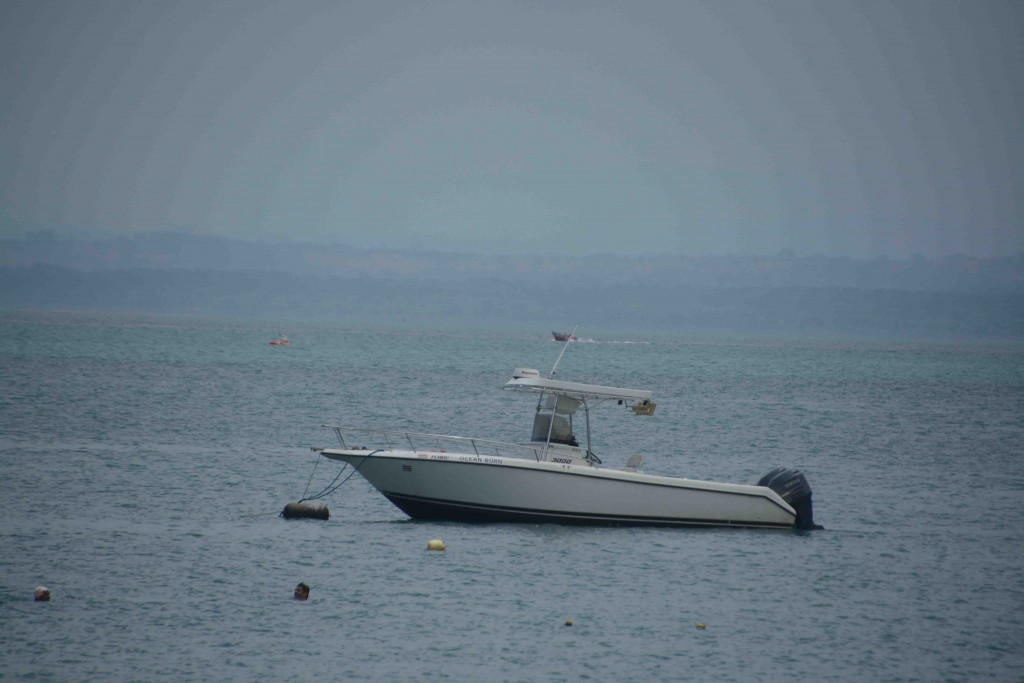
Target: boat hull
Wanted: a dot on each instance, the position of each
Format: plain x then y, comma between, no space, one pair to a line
473,488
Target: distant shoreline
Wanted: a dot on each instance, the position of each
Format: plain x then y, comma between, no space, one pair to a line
830,312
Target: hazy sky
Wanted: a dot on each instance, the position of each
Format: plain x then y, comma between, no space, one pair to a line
856,128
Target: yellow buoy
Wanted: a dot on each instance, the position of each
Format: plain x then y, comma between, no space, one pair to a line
568,622
435,544
701,625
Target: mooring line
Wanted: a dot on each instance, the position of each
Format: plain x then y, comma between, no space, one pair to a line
328,490
319,454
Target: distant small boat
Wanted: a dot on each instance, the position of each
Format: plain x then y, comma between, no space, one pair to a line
280,341
564,336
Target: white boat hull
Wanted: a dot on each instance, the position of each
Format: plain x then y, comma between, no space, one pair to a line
469,487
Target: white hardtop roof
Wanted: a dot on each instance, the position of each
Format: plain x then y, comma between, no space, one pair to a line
576,390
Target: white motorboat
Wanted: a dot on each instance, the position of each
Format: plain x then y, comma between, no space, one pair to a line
554,478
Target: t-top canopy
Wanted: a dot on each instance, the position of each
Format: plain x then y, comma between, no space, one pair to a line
576,390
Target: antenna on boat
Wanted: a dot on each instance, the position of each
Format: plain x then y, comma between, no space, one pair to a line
569,338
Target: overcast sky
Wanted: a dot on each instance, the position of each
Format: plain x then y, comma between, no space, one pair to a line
857,128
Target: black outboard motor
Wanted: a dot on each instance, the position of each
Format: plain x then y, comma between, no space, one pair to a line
792,487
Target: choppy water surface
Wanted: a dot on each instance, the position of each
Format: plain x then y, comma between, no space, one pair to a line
143,462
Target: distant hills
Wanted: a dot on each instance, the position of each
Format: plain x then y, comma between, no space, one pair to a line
784,294
165,250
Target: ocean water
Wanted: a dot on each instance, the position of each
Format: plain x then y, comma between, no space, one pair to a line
144,461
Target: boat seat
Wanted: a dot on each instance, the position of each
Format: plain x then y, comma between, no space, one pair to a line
634,462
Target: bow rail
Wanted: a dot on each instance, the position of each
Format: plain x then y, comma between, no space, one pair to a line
420,442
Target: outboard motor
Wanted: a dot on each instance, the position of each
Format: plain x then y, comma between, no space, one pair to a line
792,487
